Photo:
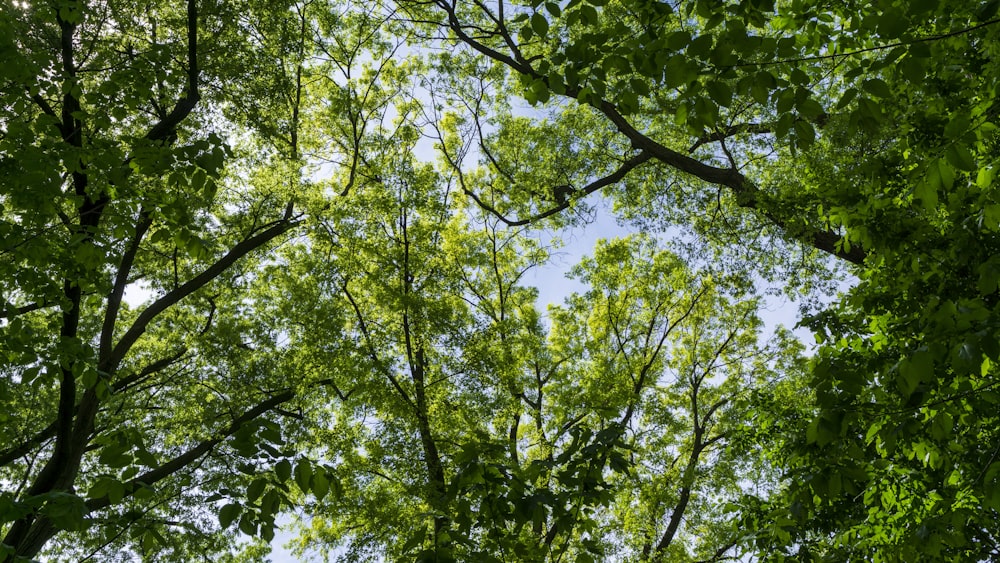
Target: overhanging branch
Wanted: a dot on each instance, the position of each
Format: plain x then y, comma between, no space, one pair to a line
747,194
172,297
168,125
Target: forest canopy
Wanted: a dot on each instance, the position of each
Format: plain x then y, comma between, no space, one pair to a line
265,265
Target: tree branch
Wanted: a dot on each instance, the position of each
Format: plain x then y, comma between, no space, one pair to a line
168,125
121,280
183,460
747,195
10,313
869,49
172,297
150,369
615,177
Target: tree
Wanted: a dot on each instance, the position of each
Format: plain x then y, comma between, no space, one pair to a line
461,430
866,132
707,91
113,158
172,150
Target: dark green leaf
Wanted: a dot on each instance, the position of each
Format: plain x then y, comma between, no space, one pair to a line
539,24
303,475
877,88
228,514
283,470
958,155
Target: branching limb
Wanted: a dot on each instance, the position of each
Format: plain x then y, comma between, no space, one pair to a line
114,299
166,127
201,280
747,194
16,311
613,178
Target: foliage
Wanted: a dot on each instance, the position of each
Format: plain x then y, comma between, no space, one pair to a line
864,131
115,178
259,257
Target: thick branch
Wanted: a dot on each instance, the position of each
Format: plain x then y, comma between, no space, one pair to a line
613,178
893,45
183,460
751,129
152,368
59,470
24,448
730,131
189,287
168,125
15,311
720,553
121,280
363,326
42,529
685,496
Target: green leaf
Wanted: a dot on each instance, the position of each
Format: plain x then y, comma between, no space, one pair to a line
810,108
639,86
539,24
946,174
116,491
678,40
700,46
616,63
526,33
247,525
877,87
416,539
89,377
812,431
320,484
589,14
283,470
834,484
798,77
805,135
679,71
556,83
957,126
913,69
270,504
959,156
891,24
926,190
942,425
847,98
256,488
71,15
720,92
538,91
228,514
985,177
150,542
785,100
870,109
199,179
66,511
913,371
303,475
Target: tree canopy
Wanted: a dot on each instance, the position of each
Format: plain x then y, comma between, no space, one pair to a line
267,261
